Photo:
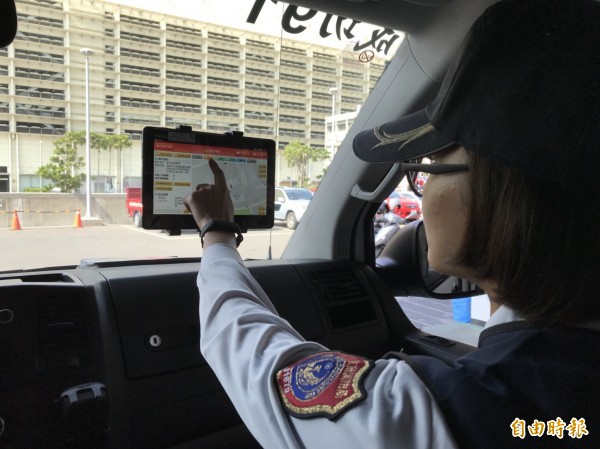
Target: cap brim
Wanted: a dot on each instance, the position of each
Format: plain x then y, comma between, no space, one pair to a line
8,23
410,137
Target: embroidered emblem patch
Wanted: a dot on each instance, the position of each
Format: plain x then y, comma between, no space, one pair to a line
323,384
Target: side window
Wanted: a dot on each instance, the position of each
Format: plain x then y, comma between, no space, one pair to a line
279,196
458,319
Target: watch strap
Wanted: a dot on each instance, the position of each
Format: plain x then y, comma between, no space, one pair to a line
220,225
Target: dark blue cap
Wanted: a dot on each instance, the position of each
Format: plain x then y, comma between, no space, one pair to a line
523,91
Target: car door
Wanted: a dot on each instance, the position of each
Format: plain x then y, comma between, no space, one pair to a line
280,200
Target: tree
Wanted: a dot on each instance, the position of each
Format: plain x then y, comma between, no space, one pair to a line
299,155
119,142
97,142
64,166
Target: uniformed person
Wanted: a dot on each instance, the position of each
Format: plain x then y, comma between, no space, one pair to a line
512,205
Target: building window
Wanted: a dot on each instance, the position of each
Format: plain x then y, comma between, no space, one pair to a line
256,115
21,72
223,97
259,101
260,73
321,109
222,37
259,87
290,105
223,82
140,119
183,107
140,87
136,70
184,30
291,133
139,21
292,119
39,92
223,52
39,128
193,78
138,54
46,21
40,38
184,61
260,58
183,92
43,111
293,64
256,43
174,121
140,103
133,134
38,56
222,67
261,130
140,38
294,78
184,45
212,110
294,92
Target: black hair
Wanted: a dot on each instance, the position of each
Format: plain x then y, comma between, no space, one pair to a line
538,244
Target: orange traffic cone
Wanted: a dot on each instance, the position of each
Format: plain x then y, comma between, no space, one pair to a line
16,225
77,223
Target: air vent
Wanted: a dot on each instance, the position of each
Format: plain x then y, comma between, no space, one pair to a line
339,285
349,304
62,338
39,278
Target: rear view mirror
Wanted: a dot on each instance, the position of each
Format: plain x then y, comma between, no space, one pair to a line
404,268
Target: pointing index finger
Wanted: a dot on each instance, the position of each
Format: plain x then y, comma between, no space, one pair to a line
220,181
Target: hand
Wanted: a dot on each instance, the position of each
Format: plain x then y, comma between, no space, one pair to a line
211,201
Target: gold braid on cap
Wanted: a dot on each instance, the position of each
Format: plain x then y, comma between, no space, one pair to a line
406,137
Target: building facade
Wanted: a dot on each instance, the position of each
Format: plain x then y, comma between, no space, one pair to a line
151,69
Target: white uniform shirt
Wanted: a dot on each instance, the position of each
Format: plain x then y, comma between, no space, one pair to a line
246,343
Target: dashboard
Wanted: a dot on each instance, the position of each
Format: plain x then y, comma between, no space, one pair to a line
107,355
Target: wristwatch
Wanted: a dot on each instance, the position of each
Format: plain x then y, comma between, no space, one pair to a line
219,225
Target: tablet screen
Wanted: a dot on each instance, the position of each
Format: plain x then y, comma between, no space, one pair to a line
176,161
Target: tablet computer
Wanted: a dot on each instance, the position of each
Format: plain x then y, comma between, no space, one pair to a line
175,161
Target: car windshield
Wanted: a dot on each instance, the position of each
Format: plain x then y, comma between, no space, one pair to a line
110,68
299,194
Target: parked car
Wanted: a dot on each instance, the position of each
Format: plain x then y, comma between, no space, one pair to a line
405,205
133,203
290,205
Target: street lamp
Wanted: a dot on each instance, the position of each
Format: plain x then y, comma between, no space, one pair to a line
333,92
87,52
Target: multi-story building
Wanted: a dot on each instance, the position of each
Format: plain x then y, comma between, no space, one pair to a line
150,69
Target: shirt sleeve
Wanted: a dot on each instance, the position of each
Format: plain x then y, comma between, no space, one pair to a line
245,342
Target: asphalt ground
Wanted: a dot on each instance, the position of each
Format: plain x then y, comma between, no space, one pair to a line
41,247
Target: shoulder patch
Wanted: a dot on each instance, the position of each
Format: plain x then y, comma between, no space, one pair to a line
323,384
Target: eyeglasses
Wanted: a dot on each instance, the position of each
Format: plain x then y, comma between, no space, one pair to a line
417,174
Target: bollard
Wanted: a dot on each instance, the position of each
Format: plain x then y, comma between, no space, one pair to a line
15,225
77,223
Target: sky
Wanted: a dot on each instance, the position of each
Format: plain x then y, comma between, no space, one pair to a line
233,13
